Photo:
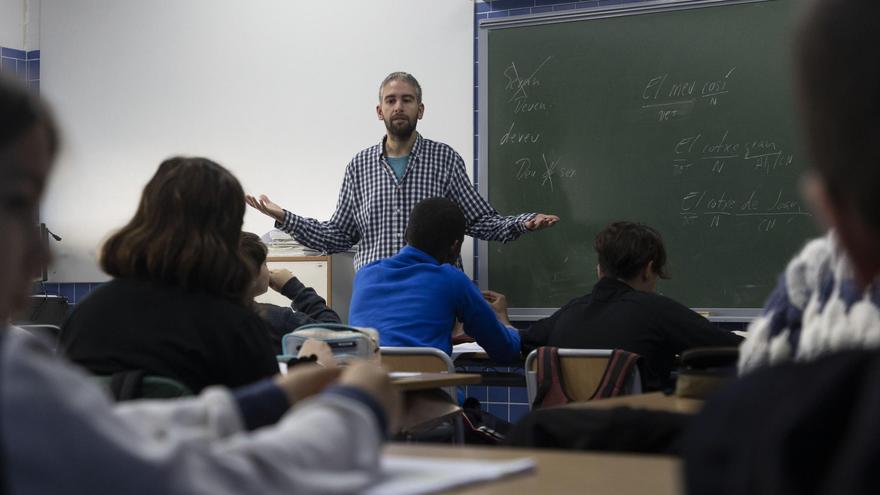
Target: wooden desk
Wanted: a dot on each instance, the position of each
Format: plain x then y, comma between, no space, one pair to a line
656,401
424,381
564,472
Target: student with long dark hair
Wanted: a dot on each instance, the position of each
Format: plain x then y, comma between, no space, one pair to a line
178,305
59,433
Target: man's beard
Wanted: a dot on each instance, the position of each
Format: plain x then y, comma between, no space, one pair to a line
399,130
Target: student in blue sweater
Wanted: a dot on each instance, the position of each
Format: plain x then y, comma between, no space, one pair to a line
414,297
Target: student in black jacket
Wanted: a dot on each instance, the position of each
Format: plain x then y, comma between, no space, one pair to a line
624,312
179,305
306,305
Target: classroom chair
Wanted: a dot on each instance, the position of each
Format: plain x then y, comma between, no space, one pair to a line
47,333
424,360
130,385
582,371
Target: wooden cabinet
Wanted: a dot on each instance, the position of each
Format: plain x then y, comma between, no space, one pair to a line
313,271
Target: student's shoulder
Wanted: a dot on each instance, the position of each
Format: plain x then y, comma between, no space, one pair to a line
455,279
657,304
452,273
577,301
370,269
114,292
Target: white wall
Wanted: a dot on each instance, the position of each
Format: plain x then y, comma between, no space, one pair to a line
19,24
32,24
281,92
12,23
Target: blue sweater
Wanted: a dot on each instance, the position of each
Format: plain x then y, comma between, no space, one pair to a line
413,301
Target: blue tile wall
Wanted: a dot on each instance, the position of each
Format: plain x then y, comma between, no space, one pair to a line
21,64
507,403
74,292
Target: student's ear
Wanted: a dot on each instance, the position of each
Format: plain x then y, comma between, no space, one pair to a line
814,191
860,240
599,271
421,110
455,250
648,271
456,247
379,111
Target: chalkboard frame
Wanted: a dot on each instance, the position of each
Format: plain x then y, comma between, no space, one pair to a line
734,315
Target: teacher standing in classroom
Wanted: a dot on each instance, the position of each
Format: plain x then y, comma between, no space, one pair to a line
383,182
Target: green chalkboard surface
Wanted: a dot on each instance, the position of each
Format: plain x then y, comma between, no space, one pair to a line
681,119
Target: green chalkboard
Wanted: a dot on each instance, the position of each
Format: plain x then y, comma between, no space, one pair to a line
681,119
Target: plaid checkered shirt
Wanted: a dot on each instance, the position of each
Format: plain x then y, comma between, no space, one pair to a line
373,207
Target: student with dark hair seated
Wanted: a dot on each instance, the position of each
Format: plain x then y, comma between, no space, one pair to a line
179,303
61,434
414,297
306,305
624,312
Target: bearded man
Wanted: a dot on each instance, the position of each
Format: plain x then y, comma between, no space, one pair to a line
384,182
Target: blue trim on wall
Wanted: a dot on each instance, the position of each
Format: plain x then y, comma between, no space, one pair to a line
74,292
22,65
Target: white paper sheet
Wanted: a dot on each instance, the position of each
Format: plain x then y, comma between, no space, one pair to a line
460,349
407,475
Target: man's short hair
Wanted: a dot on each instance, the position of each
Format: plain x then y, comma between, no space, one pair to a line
402,76
434,225
838,78
626,248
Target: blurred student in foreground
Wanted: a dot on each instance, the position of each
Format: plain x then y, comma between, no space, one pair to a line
59,433
811,427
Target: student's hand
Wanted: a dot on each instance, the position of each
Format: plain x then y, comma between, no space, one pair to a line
305,381
278,277
319,349
498,301
265,206
374,380
541,221
457,328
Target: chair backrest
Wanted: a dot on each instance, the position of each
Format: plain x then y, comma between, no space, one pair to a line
421,359
48,333
147,386
418,359
582,371
159,387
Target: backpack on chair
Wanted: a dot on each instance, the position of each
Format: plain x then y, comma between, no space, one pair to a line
551,386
